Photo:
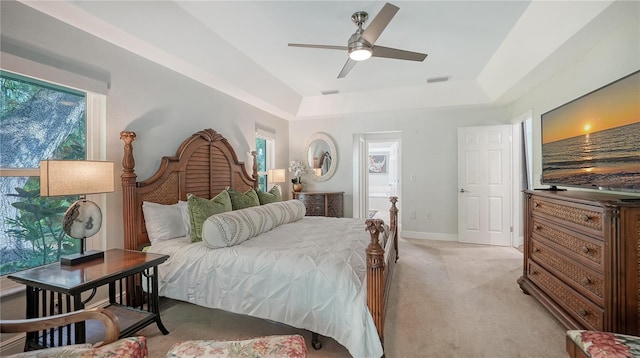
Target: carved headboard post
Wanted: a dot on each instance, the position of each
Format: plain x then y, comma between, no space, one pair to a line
129,190
394,222
254,175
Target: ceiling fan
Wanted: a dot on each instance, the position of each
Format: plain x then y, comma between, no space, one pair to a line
361,44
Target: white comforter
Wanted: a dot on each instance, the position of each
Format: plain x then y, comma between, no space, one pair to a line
308,274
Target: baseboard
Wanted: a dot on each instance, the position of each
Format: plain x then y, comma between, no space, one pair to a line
429,236
518,241
12,345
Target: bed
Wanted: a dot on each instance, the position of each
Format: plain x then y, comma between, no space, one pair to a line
360,253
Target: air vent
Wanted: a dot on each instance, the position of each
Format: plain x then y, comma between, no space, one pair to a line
437,79
335,91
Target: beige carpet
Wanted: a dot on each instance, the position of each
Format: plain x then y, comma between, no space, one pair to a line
450,300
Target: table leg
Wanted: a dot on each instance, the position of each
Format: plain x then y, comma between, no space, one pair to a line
156,301
80,334
32,312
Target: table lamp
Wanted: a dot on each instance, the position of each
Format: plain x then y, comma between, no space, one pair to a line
276,176
83,218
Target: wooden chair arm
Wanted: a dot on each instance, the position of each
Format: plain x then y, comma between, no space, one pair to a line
110,321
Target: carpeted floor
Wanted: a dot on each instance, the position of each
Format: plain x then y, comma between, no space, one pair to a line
450,300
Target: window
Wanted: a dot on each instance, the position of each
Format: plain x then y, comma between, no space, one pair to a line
38,120
265,144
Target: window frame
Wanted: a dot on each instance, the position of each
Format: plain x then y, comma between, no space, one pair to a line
270,156
95,116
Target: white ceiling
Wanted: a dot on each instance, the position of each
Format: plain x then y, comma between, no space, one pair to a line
492,51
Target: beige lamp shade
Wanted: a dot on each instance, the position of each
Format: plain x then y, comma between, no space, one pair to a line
318,171
75,177
276,175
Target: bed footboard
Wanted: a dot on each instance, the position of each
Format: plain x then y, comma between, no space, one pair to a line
380,266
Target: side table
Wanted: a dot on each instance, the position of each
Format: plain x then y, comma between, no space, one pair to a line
55,288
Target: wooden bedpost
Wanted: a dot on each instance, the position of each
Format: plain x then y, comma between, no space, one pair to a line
129,191
375,275
254,175
394,222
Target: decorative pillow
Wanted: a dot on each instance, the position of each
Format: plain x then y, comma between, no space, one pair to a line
163,222
200,209
243,200
232,228
272,196
124,347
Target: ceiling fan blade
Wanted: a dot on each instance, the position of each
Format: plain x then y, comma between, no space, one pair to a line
330,47
378,24
388,52
347,67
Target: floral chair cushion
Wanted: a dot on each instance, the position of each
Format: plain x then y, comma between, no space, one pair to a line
131,347
291,346
604,344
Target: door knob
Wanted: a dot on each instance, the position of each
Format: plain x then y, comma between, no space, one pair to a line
462,190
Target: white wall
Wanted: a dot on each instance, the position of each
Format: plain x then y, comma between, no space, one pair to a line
429,151
606,61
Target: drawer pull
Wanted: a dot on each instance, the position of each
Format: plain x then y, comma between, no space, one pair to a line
584,249
535,249
583,312
536,205
585,281
586,218
536,227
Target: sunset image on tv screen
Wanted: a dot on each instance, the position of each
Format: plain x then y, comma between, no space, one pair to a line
594,141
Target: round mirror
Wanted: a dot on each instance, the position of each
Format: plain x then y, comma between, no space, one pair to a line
322,156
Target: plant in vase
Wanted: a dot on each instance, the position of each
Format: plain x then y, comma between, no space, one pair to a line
298,170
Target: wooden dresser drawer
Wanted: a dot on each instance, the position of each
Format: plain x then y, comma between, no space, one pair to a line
314,204
586,249
322,203
583,217
589,282
583,310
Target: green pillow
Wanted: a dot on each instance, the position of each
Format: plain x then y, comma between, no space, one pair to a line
272,196
243,200
200,209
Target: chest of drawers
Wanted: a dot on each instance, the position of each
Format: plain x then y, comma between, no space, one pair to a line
581,257
322,203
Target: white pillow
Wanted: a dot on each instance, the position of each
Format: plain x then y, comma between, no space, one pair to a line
234,227
163,222
184,210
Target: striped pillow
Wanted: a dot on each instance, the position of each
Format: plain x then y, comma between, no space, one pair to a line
232,228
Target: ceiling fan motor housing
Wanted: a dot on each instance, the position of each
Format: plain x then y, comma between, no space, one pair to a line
356,42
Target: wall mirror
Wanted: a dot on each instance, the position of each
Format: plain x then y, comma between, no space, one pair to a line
322,156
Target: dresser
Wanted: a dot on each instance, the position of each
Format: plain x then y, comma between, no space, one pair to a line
581,258
321,203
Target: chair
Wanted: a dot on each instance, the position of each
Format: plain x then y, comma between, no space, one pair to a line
131,346
596,344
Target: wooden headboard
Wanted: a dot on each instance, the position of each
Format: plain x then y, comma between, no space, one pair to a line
204,165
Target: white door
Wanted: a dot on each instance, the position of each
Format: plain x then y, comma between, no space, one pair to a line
484,185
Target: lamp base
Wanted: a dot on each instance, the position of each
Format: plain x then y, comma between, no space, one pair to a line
75,259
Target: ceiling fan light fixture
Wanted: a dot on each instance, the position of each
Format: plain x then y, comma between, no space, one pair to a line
360,54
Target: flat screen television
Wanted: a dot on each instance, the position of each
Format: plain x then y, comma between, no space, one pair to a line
594,140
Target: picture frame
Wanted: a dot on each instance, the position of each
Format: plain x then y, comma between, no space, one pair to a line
378,163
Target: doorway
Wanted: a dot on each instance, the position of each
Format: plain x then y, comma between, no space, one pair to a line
376,174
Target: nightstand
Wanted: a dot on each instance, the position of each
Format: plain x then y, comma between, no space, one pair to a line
55,288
